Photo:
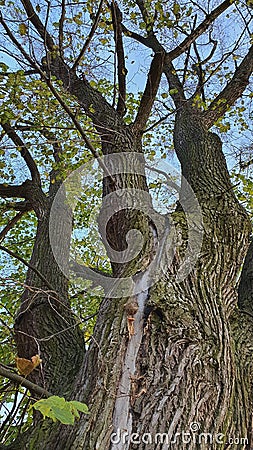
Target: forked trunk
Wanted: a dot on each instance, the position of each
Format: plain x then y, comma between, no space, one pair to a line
176,371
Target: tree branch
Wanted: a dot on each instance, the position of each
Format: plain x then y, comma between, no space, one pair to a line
174,83
246,164
122,71
94,104
60,99
24,152
7,191
51,138
90,36
171,75
186,43
25,73
148,97
232,91
147,41
23,382
11,224
88,273
35,20
49,135
210,18
78,126
90,99
200,74
61,25
186,65
17,206
176,89
30,266
143,11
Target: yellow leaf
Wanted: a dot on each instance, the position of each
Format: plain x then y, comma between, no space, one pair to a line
36,361
22,29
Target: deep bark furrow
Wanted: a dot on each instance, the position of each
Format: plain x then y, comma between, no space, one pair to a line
191,357
45,324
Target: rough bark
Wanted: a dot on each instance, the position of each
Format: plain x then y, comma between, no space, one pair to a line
190,358
45,324
245,290
178,353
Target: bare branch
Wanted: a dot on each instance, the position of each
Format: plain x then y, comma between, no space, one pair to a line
91,34
169,71
147,41
162,119
232,91
246,164
148,97
169,180
214,42
16,191
210,18
199,67
186,64
18,45
23,382
61,25
122,71
23,151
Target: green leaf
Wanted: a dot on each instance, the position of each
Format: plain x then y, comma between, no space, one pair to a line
176,8
57,408
173,91
44,408
63,415
3,67
80,406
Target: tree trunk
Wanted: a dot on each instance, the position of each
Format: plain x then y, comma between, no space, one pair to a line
183,379
45,324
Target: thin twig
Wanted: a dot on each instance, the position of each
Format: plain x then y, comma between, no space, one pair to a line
23,151
91,34
58,97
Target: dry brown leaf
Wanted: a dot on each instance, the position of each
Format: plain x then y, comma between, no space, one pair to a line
25,366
